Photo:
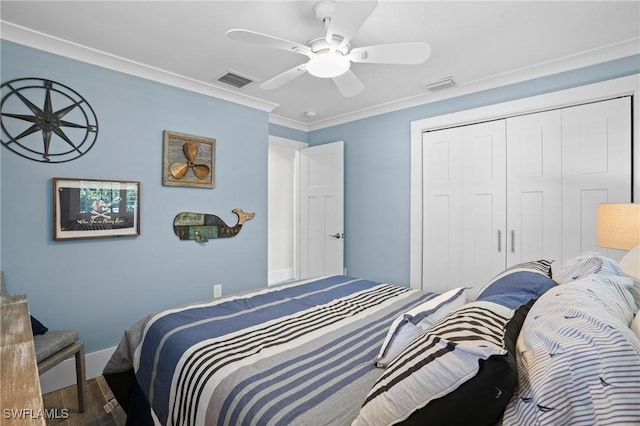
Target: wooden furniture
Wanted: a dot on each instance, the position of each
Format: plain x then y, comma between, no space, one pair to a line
25,357
55,346
20,391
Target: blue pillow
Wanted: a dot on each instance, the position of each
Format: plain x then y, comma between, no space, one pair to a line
517,288
519,284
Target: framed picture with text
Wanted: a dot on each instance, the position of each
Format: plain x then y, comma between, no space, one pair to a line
95,208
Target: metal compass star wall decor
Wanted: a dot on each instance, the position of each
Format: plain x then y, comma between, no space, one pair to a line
46,121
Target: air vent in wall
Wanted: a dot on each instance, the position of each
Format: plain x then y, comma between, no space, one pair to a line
235,80
440,84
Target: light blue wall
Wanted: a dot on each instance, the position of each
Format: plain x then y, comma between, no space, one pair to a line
102,286
377,168
287,133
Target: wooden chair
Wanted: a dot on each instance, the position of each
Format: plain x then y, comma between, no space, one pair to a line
20,386
55,346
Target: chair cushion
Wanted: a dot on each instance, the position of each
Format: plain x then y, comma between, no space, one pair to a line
53,341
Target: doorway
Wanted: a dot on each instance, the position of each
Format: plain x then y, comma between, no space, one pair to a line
284,159
305,210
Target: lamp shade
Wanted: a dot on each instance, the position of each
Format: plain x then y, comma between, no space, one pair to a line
618,226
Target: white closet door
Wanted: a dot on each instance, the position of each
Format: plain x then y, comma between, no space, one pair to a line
534,187
483,201
442,210
596,157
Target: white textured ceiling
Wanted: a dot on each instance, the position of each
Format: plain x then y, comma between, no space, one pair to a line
475,42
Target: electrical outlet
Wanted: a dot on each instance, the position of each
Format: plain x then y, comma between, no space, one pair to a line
217,290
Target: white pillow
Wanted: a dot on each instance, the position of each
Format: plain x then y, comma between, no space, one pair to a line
411,324
630,264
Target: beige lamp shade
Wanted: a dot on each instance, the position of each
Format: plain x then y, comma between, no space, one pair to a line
618,226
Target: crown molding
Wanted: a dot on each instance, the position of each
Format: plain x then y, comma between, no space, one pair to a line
583,59
58,46
38,40
287,122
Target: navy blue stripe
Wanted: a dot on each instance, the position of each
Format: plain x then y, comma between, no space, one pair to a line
218,326
262,308
350,306
329,350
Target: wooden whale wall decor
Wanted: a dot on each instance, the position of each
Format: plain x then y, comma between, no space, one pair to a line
202,227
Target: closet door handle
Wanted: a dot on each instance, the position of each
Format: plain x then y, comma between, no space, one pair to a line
499,241
513,241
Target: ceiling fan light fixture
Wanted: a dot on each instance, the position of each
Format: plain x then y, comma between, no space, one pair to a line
328,64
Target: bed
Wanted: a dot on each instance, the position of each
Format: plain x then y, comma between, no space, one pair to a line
346,351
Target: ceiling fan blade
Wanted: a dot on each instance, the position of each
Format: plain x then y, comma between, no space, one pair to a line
397,53
268,41
348,17
284,78
348,84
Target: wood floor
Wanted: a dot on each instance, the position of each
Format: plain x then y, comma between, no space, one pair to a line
62,406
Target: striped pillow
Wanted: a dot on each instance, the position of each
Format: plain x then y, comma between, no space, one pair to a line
542,267
586,264
411,324
516,288
460,371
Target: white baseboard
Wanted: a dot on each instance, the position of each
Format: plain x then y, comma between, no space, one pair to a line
64,374
280,275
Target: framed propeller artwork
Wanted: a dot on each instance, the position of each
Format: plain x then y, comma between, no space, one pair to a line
188,160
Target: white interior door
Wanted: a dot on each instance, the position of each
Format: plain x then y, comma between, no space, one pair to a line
442,207
483,201
464,205
534,187
322,210
596,161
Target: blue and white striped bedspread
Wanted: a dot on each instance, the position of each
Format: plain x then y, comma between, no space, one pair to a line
294,354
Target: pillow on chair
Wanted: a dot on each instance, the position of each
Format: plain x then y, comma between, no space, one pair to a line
37,327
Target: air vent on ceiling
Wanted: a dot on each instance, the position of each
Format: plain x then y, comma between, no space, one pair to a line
440,84
234,79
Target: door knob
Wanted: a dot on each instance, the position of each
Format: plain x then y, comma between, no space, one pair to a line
337,235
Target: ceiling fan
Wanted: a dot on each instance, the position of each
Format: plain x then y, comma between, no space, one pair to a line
331,55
